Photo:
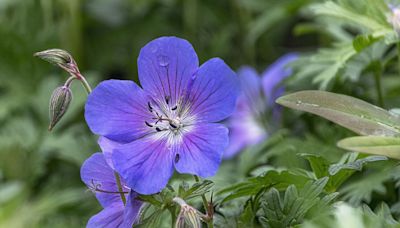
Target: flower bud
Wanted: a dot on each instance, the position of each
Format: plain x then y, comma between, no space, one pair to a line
55,56
188,215
59,102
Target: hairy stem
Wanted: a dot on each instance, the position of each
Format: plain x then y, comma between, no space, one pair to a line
210,223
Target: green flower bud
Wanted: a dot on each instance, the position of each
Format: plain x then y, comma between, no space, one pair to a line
55,56
59,102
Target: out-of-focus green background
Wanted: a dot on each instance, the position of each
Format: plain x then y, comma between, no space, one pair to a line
39,170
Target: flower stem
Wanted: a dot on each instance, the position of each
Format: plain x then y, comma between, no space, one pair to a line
75,74
118,179
377,76
210,223
69,81
85,84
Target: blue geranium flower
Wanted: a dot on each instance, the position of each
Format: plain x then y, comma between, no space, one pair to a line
258,95
170,123
100,178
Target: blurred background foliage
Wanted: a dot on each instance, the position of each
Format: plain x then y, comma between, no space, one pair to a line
39,171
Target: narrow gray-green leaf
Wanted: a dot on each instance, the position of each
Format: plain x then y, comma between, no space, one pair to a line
387,146
349,112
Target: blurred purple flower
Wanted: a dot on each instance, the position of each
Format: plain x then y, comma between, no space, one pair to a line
258,94
171,122
394,18
99,177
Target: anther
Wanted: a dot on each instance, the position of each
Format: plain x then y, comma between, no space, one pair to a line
173,125
174,108
167,98
147,123
158,129
177,157
149,106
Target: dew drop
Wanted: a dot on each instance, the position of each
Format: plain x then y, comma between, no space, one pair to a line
153,48
163,60
298,102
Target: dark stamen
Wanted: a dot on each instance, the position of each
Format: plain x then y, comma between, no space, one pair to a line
158,129
167,98
147,123
174,108
177,158
173,125
149,106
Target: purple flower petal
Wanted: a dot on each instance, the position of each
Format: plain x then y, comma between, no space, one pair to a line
244,128
165,67
214,91
250,84
131,212
274,75
145,164
201,150
107,146
109,217
96,172
117,109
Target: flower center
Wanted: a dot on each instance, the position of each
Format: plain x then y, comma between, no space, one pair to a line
166,116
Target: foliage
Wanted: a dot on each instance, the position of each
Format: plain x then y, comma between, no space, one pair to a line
300,176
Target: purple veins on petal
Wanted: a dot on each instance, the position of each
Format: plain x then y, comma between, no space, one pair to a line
110,217
146,164
116,109
165,66
214,91
200,151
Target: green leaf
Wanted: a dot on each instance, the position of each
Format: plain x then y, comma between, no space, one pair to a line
319,165
197,189
375,27
296,205
356,165
341,171
363,41
349,112
387,146
253,185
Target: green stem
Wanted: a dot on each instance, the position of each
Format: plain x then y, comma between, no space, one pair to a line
85,83
398,56
121,193
173,216
210,223
69,81
378,75
88,89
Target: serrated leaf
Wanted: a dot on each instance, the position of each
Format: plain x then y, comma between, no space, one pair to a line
375,27
319,165
356,165
349,112
387,146
253,185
